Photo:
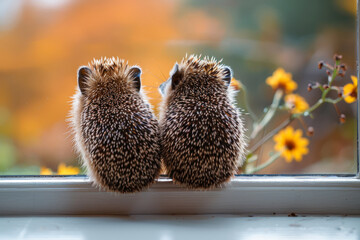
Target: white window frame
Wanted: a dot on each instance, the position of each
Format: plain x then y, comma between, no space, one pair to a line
255,194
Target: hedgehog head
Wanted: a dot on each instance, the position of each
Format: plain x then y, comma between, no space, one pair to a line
196,73
108,76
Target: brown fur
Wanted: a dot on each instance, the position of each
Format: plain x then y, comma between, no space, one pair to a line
202,133
115,129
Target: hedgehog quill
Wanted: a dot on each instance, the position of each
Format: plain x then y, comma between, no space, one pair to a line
202,133
115,130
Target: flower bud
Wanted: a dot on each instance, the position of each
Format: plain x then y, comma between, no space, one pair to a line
310,131
340,94
343,67
337,57
325,86
309,87
342,118
320,64
328,72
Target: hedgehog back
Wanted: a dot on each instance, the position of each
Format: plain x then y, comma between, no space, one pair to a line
201,139
122,142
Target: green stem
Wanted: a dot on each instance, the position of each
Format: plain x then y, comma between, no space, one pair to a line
309,110
321,88
264,165
330,80
251,159
334,88
323,96
269,114
333,101
271,134
246,102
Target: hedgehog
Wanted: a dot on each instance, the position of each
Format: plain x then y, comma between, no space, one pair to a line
202,133
115,129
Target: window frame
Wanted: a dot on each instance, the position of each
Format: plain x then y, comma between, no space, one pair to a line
244,194
74,195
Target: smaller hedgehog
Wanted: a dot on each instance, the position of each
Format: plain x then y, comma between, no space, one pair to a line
202,134
115,130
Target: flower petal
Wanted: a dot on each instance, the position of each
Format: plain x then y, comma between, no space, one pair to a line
303,142
298,156
287,155
349,99
297,134
354,79
348,88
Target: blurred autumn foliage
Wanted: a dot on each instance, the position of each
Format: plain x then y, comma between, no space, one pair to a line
41,53
43,42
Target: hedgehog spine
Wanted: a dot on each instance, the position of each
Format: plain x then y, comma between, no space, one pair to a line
115,130
202,133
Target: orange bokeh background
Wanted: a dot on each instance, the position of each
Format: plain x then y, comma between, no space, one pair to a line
43,42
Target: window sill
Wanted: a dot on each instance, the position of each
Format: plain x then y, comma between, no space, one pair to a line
243,195
209,227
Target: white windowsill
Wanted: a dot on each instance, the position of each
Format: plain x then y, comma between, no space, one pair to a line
243,195
209,227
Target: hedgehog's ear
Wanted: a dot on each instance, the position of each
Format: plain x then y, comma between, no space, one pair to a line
135,73
227,75
176,75
83,76
162,87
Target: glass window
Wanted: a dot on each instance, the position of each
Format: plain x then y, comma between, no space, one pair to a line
42,44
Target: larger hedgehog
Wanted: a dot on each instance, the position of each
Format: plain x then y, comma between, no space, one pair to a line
115,129
201,130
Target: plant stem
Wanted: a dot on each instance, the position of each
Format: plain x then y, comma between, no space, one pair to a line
333,101
323,96
290,119
251,159
264,165
309,110
271,134
330,80
269,114
246,102
294,116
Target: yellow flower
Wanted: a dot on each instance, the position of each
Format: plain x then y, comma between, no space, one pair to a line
291,144
67,170
296,103
350,90
236,84
281,80
45,171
